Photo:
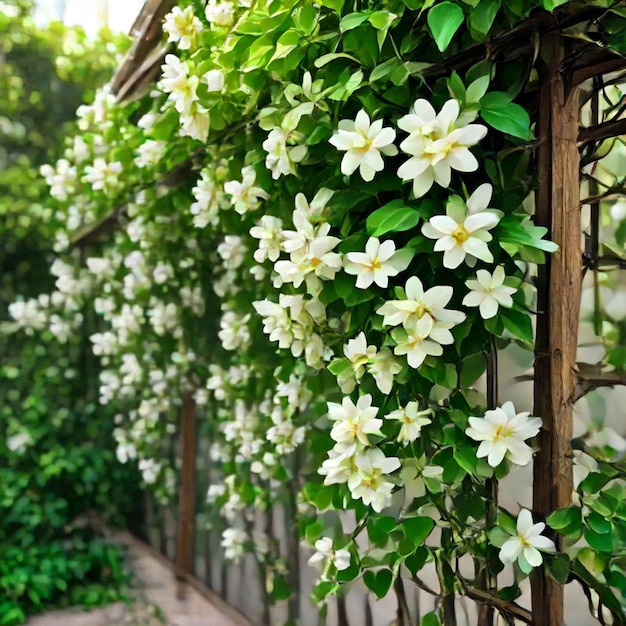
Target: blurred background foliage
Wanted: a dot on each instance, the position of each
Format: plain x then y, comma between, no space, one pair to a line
60,478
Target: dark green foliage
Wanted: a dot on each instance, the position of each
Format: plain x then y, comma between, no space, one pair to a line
64,482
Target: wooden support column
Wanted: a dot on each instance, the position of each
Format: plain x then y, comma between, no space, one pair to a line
559,288
187,492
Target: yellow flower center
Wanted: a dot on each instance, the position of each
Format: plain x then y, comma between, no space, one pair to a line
460,235
367,144
314,262
421,310
376,265
502,433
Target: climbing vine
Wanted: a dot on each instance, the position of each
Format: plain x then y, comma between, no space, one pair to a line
326,233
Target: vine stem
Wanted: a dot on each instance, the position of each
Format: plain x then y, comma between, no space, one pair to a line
485,579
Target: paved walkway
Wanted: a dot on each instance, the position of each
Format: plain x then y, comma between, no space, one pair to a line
154,600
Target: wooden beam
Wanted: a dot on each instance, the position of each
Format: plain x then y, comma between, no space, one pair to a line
187,491
147,29
559,287
606,130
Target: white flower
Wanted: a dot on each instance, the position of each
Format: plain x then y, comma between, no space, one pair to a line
367,480
19,442
359,355
502,433
195,124
149,153
61,179
412,420
354,422
376,264
232,251
280,159
174,74
233,542
414,342
234,331
215,80
220,13
488,292
436,146
102,175
184,95
297,240
339,465
317,206
325,551
460,235
244,195
364,145
317,261
214,492
383,368
208,200
526,546
182,25
269,233
150,470
420,303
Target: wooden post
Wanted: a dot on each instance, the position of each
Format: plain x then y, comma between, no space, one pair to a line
187,492
559,288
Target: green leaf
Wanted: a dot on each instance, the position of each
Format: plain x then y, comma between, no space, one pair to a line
602,542
333,56
414,562
498,536
559,567
348,574
444,20
465,456
381,20
392,217
518,324
598,524
378,582
281,589
352,20
477,89
483,16
417,529
384,69
500,113
430,619
594,482
562,518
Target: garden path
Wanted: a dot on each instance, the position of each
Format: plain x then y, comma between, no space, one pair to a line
153,601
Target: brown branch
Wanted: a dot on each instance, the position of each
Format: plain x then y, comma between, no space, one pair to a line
613,191
594,61
424,587
504,606
606,130
591,377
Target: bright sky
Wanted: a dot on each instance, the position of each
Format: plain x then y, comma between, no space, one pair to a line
92,14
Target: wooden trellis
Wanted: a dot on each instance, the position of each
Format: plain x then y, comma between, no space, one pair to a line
564,64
